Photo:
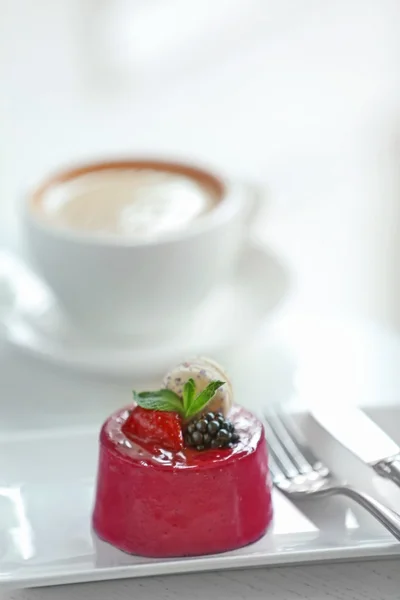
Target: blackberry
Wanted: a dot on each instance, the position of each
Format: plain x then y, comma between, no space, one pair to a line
211,430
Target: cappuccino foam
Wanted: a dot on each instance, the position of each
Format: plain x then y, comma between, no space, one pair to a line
137,203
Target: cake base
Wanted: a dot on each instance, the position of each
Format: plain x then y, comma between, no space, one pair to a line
158,504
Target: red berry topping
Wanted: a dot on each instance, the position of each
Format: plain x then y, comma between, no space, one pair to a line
155,427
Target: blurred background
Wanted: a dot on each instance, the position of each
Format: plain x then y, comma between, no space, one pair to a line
299,96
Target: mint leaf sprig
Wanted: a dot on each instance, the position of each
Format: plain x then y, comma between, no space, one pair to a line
188,406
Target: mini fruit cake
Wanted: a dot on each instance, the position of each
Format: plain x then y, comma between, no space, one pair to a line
183,472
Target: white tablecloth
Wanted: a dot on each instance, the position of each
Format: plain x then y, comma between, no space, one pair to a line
352,581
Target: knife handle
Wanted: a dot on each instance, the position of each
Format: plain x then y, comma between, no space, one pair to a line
389,468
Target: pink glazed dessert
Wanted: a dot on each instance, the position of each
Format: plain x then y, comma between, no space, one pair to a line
178,482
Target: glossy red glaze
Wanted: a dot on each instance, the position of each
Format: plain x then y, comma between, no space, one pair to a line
157,503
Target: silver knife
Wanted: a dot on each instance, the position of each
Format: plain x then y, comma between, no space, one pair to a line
359,434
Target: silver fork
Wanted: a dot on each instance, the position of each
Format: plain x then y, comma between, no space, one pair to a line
298,473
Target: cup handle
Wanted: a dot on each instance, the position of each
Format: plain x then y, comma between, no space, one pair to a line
255,199
19,285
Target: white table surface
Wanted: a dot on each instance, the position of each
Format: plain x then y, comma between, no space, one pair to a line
351,581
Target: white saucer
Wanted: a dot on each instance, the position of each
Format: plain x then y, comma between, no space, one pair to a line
32,321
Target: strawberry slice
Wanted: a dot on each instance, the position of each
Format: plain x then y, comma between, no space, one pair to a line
155,427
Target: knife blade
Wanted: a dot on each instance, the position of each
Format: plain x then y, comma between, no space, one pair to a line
363,437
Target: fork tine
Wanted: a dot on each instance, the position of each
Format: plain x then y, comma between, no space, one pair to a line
290,444
295,444
278,452
298,437
276,472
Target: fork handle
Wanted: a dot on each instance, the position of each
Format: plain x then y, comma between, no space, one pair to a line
387,517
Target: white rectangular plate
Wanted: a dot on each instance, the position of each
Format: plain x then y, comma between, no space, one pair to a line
46,494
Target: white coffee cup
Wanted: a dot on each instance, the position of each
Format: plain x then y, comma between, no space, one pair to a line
119,285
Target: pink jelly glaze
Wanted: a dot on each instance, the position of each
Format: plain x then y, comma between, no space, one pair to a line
163,504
